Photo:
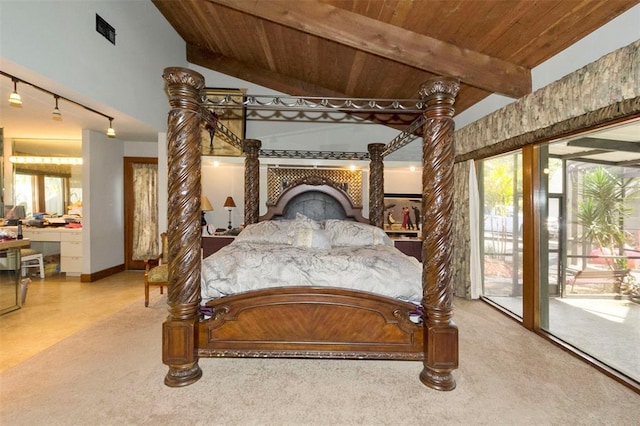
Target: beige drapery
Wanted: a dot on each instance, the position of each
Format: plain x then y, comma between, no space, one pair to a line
145,211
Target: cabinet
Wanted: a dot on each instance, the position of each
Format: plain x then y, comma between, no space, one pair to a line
212,244
71,252
410,247
68,242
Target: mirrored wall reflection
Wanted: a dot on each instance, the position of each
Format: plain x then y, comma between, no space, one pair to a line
47,176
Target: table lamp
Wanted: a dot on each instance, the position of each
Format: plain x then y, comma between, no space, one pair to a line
229,204
205,206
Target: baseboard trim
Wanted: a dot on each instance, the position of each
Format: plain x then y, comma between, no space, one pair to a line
95,276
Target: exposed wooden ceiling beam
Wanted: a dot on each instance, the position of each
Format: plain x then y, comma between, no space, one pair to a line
395,43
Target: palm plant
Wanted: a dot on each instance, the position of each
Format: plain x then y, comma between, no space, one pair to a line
602,210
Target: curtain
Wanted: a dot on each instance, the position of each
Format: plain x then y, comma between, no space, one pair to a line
474,229
145,211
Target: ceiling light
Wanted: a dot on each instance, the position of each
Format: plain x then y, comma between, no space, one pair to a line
110,132
14,98
57,115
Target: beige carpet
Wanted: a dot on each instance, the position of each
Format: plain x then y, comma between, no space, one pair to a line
112,374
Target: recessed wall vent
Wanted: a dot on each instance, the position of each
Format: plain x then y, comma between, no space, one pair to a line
105,29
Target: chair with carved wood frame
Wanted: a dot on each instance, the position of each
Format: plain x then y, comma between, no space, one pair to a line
156,270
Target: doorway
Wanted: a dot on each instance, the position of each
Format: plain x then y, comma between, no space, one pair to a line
140,211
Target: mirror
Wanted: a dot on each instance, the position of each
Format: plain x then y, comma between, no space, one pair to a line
47,176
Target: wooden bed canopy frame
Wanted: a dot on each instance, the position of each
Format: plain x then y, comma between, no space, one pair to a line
311,322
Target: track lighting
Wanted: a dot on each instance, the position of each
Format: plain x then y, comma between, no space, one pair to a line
110,131
57,115
14,98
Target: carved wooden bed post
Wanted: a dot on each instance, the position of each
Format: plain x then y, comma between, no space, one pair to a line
441,334
251,148
184,230
376,185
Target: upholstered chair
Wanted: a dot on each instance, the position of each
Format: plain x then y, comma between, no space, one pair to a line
156,271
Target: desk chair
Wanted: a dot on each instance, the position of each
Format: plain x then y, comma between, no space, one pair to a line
30,258
156,270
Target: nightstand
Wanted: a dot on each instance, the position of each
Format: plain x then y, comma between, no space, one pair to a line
214,243
410,247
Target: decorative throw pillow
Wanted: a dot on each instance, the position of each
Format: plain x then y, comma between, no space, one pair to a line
301,222
349,233
267,232
311,238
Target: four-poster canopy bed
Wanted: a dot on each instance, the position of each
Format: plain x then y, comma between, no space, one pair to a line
309,321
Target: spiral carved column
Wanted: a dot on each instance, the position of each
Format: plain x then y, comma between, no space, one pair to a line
184,230
376,185
251,148
441,334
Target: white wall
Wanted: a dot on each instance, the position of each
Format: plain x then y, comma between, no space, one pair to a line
103,204
58,41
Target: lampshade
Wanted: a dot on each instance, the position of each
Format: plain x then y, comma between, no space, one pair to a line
229,203
205,204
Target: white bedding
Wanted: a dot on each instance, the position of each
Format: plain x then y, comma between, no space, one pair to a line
334,253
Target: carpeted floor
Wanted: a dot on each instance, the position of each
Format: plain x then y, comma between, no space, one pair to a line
112,374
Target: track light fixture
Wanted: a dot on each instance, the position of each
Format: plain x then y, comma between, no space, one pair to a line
16,100
57,115
14,97
110,132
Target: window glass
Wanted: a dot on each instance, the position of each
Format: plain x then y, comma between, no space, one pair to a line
502,230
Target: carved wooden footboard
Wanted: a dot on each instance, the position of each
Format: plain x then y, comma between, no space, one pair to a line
317,322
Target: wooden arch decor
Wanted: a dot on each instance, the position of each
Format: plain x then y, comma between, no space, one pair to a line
435,341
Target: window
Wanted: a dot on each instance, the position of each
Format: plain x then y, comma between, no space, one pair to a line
501,183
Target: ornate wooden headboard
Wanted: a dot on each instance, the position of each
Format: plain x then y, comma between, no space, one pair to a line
316,198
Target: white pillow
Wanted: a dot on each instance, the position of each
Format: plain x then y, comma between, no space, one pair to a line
301,222
350,233
312,238
270,231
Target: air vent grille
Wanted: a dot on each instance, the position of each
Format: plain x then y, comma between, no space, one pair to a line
105,29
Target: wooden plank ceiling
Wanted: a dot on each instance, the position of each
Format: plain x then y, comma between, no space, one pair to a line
384,48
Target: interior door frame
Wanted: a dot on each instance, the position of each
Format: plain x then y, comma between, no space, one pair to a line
129,202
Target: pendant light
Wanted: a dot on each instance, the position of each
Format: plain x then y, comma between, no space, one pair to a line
110,131
57,115
14,98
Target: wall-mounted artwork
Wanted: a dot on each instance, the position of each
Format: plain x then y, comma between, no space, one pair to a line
402,214
233,118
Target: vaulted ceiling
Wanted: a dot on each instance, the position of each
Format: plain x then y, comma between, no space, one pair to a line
384,49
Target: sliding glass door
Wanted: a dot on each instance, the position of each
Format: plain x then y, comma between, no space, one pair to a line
574,273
